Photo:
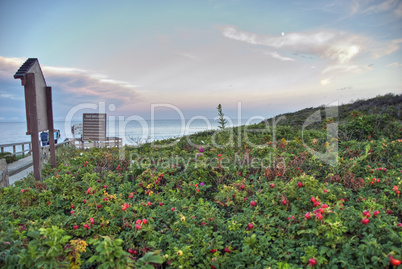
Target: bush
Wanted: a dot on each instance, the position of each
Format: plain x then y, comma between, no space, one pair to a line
272,205
8,156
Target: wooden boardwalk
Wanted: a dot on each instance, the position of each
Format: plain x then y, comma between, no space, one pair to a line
23,167
19,169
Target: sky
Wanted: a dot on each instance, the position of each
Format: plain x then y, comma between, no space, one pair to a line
258,58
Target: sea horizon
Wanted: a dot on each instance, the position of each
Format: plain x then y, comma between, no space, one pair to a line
159,129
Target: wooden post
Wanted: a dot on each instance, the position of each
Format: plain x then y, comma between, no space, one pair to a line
14,151
4,177
31,93
50,125
23,150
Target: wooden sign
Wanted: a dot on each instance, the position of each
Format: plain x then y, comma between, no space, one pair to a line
94,126
34,89
39,110
77,129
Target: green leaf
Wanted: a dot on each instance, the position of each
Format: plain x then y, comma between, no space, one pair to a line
156,259
94,258
118,242
34,234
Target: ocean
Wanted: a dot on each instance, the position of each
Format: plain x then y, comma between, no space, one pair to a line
131,132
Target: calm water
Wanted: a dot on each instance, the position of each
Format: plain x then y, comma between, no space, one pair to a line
131,132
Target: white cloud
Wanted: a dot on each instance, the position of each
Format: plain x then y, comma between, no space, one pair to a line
356,69
188,55
325,82
398,10
386,49
10,96
74,81
395,64
335,46
276,55
342,53
8,66
354,6
384,6
76,72
367,7
73,86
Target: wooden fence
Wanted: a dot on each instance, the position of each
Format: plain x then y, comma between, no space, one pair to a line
109,142
22,148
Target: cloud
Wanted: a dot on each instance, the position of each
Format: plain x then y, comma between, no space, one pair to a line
75,85
276,55
188,55
356,69
8,66
10,96
384,6
386,49
365,7
395,65
354,6
345,88
398,10
336,46
325,82
83,82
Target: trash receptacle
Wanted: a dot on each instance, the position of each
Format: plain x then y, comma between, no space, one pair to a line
44,138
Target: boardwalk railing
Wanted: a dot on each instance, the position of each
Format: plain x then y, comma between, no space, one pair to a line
45,150
6,171
22,148
25,147
109,142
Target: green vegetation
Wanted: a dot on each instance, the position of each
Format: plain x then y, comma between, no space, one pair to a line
8,156
264,199
382,112
222,121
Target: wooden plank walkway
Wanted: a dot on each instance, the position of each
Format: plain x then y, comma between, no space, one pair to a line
19,169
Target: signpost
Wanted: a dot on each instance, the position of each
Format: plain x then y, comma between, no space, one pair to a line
94,126
39,111
76,129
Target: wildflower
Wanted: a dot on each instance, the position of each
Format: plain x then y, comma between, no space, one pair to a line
201,150
202,184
